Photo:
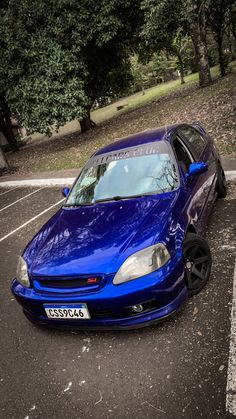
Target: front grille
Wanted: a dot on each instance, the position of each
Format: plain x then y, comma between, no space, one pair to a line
66,284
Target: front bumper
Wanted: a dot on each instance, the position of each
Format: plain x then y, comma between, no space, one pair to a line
109,307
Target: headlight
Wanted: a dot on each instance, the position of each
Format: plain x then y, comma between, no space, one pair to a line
142,263
22,272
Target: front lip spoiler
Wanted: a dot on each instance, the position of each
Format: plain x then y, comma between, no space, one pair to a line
104,327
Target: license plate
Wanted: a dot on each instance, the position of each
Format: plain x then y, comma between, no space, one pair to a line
69,311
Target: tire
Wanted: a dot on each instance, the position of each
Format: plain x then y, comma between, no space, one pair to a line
221,187
198,261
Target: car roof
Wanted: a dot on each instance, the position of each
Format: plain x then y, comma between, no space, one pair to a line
140,138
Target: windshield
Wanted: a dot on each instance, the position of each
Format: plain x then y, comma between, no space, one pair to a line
132,172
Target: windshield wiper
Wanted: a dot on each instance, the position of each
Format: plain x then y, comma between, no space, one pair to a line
112,198
118,198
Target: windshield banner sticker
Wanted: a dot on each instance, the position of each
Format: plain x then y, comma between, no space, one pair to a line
137,151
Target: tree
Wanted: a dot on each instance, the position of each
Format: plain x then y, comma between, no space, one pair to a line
178,47
163,29
144,75
3,161
59,57
196,15
233,18
218,15
38,77
164,65
6,124
167,22
5,115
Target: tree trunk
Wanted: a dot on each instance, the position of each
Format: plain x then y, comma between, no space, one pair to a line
3,161
196,17
222,61
6,125
181,68
233,20
182,75
86,123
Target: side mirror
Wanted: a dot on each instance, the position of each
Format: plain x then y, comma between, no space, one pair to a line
196,168
65,192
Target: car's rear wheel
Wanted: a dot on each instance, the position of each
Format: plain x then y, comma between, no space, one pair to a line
197,260
221,187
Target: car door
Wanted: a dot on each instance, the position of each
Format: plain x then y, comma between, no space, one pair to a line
201,149
193,193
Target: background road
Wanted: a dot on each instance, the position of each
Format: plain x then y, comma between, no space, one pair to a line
175,370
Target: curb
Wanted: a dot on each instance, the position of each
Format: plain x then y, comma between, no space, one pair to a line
230,175
38,182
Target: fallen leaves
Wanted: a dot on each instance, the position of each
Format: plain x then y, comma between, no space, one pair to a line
195,311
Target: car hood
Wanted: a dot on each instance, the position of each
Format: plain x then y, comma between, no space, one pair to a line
97,239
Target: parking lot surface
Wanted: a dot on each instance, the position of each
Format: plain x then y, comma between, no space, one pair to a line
177,369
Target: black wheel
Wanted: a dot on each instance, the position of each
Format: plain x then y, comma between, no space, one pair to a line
221,187
197,259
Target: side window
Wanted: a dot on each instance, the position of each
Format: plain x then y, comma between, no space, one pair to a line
183,156
196,142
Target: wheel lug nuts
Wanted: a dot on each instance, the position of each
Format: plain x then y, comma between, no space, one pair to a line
188,265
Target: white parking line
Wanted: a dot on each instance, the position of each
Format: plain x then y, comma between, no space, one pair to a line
231,377
32,219
20,199
10,190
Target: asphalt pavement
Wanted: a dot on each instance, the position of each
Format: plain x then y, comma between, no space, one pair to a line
177,369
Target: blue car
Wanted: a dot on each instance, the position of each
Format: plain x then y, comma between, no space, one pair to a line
126,248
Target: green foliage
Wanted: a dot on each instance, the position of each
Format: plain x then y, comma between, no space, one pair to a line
219,16
143,74
165,29
219,13
58,57
182,47
47,94
233,18
162,20
165,66
161,67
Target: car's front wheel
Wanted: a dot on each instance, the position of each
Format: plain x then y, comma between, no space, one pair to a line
197,260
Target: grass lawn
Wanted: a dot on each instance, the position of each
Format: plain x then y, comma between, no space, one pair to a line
132,102
164,104
153,93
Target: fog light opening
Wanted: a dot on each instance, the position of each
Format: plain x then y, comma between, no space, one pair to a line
138,308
